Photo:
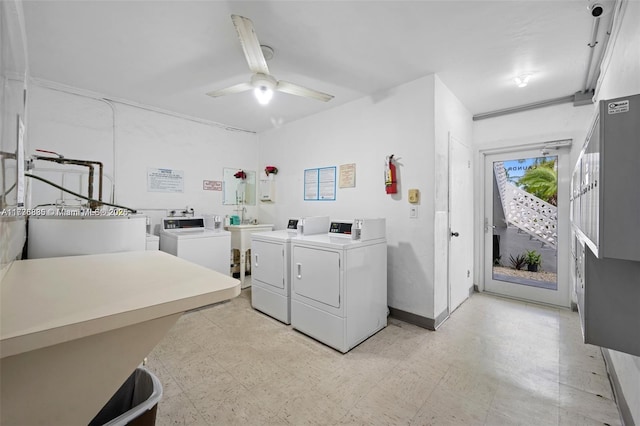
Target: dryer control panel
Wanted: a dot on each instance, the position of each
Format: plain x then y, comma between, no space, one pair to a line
340,228
359,229
182,224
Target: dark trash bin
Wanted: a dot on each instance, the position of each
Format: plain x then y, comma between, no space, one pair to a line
496,249
135,403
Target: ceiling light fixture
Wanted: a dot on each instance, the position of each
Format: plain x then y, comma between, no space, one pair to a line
263,86
263,94
522,80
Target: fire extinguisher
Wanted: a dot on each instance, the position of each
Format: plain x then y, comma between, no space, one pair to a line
390,182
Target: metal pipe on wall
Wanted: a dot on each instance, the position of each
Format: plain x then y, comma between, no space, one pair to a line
86,163
592,44
603,49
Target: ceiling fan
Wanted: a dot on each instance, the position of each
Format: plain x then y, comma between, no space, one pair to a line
262,83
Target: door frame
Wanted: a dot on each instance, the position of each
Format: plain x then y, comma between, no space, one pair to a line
561,148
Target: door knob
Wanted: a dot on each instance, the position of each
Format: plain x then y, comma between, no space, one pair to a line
455,234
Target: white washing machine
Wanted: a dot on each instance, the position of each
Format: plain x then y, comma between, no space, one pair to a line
54,236
189,239
339,283
270,270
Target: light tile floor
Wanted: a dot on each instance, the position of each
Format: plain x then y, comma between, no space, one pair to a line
494,362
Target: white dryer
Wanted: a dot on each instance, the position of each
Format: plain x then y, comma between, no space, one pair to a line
189,239
271,273
339,283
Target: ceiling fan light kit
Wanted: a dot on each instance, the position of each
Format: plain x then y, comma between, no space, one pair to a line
263,87
263,95
262,82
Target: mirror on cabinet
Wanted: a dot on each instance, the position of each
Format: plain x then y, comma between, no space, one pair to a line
241,189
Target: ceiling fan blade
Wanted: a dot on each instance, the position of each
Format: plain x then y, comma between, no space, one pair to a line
294,89
250,44
238,88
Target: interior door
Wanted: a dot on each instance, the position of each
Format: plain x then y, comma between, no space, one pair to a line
526,225
460,223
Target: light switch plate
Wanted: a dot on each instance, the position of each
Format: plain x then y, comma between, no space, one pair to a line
413,212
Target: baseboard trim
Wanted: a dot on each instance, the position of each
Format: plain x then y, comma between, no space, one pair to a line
574,306
444,315
419,320
621,402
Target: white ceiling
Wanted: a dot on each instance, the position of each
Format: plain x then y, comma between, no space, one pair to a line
168,54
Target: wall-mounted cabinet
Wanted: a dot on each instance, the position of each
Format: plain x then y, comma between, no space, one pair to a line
267,190
605,198
605,215
608,292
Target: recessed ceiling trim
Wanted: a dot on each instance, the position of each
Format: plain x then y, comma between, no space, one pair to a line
52,85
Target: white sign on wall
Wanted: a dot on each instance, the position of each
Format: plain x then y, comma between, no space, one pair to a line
212,185
320,184
165,180
348,175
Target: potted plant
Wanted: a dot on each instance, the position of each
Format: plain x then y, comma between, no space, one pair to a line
533,259
518,261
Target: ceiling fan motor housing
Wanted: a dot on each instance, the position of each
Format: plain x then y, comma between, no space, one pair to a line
263,81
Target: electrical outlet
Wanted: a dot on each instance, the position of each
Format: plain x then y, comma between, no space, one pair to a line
413,212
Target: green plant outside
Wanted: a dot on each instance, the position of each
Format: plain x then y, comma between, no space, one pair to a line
542,181
532,257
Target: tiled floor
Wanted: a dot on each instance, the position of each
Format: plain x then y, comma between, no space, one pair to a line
494,362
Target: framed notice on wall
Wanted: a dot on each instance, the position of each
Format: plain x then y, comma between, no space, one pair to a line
348,175
320,184
165,180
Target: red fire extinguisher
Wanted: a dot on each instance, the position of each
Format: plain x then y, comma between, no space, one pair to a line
390,182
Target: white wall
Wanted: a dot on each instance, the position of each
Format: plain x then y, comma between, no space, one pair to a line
13,78
538,125
621,77
451,118
77,127
129,140
364,132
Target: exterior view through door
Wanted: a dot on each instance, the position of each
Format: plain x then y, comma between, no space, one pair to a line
521,225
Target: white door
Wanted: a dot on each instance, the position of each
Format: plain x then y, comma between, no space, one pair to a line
268,263
525,221
460,223
315,274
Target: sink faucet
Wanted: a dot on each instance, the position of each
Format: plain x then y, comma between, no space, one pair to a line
241,210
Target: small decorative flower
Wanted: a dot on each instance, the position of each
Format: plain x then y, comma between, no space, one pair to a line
273,170
240,174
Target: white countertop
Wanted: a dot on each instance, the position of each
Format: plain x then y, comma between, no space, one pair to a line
44,302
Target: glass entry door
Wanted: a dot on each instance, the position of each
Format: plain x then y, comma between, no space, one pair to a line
522,226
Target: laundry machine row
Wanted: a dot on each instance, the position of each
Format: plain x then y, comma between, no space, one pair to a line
271,271
338,281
